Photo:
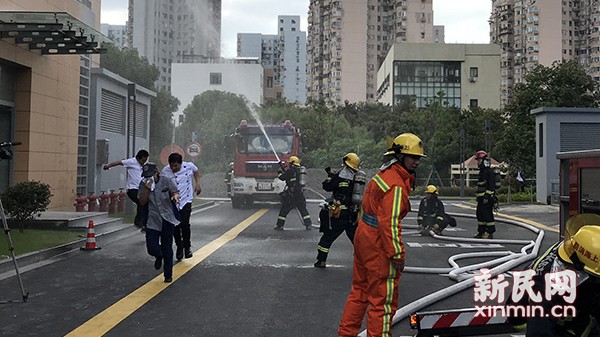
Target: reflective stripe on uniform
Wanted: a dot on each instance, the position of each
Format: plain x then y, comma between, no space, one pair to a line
343,184
389,297
323,249
369,220
281,218
396,211
306,217
381,183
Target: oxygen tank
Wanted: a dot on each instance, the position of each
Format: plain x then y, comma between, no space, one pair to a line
360,179
302,176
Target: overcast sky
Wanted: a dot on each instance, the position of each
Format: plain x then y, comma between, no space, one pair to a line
466,21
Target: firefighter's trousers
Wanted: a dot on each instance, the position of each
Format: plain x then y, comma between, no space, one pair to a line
289,202
485,216
336,227
374,287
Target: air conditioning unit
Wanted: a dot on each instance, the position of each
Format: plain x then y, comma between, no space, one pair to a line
472,79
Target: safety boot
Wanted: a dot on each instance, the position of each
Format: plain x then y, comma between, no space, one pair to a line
179,253
478,236
487,235
188,253
278,228
320,264
308,226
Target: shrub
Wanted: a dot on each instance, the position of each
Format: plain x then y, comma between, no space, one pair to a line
26,199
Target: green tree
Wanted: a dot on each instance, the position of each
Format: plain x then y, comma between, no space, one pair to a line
164,105
128,63
560,85
212,116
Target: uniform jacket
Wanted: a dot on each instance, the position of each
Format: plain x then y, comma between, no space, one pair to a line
341,185
386,199
291,177
486,183
431,211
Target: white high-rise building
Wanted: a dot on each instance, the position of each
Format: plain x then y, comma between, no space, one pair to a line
117,33
283,53
175,31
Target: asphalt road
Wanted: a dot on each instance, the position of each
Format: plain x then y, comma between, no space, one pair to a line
245,279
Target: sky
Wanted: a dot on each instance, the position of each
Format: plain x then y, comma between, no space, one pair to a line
465,21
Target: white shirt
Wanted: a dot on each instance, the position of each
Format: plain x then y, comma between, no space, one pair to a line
183,179
134,173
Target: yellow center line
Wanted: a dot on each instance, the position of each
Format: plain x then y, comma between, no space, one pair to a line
527,221
113,315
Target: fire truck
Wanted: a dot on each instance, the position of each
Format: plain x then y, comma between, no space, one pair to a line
259,149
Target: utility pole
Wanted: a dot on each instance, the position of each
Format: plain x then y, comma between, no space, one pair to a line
488,135
462,162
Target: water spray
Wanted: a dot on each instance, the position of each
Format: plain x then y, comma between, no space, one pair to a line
262,128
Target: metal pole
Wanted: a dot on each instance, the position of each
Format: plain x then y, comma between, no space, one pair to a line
132,107
11,249
462,162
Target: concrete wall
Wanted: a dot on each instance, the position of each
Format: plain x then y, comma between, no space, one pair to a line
100,180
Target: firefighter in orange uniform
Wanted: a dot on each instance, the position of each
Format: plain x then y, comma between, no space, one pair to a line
378,247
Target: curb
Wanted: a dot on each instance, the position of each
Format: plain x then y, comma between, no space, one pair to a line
31,258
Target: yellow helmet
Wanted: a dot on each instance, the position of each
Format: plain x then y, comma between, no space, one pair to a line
585,244
294,160
431,189
406,143
351,159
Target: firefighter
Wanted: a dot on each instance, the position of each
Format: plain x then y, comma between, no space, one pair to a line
341,211
432,216
486,197
293,194
378,248
579,254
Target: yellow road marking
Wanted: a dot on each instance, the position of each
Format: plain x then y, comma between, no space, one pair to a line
113,315
527,221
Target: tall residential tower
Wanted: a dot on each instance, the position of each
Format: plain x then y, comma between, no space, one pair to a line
348,40
181,31
534,32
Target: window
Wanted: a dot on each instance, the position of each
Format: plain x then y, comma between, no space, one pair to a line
473,103
541,139
215,78
474,72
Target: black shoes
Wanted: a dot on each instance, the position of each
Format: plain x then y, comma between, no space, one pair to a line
179,253
320,264
478,236
308,227
188,253
158,263
168,279
278,228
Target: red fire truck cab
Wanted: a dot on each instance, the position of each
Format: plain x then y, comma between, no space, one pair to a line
258,150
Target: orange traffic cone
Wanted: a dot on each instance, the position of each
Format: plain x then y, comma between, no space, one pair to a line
90,241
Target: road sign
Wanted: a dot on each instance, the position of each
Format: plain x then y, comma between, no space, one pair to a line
167,150
194,149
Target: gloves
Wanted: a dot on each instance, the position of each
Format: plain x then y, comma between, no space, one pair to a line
398,264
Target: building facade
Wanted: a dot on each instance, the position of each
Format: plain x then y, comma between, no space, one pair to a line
175,31
466,74
241,76
348,40
533,33
45,94
284,54
116,33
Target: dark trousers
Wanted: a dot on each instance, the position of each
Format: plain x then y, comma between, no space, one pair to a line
289,202
485,216
160,245
183,231
338,226
141,213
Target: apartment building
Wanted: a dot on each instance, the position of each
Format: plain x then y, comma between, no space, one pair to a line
283,54
116,33
175,31
534,32
467,74
348,40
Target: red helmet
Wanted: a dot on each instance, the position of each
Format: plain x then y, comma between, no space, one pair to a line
481,155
